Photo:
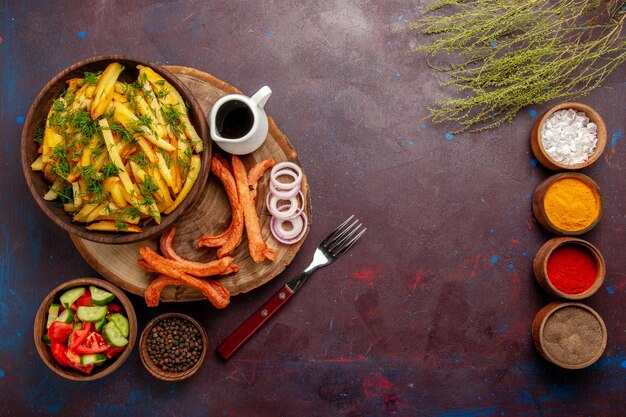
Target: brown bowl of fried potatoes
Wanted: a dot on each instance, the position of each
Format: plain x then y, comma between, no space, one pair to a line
115,149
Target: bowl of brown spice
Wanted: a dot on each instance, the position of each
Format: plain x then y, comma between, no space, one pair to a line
173,346
570,335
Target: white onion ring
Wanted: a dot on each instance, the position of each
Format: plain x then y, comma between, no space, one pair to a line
282,168
275,231
285,185
296,224
293,209
284,194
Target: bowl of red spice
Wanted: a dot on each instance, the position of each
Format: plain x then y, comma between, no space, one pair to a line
173,346
569,268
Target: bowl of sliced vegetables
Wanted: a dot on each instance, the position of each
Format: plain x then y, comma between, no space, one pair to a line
115,149
85,329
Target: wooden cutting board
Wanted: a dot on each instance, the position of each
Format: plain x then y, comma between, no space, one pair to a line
209,216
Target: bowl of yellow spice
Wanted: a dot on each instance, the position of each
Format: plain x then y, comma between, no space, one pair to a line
568,204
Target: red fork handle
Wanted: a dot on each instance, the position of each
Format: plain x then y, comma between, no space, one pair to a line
233,342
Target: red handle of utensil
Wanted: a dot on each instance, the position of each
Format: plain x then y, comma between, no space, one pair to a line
233,342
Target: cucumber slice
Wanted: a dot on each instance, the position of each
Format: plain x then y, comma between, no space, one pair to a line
92,359
78,325
95,313
69,297
100,297
46,339
121,322
67,316
53,314
100,324
113,335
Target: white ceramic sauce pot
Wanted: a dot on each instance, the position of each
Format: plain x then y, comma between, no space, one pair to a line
239,123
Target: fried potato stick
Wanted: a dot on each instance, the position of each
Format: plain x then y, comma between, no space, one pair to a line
255,174
215,292
191,267
259,250
176,268
234,237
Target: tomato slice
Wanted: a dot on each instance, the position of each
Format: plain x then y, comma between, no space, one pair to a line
113,351
80,335
59,332
114,308
84,300
94,343
68,358
59,353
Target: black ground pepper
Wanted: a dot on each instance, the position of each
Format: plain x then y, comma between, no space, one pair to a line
174,344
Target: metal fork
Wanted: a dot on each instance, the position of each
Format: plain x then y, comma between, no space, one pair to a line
336,244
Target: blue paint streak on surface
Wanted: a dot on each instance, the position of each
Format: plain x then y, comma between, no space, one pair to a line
423,125
494,259
493,43
81,34
615,137
491,231
623,364
533,113
511,266
533,162
54,409
529,196
1,373
397,74
449,136
610,290
526,397
389,44
400,17
330,325
410,142
19,119
524,254
270,33
469,412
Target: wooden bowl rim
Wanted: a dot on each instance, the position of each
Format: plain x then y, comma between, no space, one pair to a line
594,117
155,370
196,113
40,321
554,243
547,183
552,308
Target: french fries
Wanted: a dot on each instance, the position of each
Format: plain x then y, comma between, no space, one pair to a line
118,154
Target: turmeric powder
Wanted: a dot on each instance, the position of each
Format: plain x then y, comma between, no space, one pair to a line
571,204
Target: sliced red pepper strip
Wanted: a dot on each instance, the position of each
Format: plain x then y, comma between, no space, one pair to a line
59,332
80,335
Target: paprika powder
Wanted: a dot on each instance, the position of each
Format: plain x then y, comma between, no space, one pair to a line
572,269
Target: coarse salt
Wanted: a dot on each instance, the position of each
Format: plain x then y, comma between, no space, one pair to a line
569,137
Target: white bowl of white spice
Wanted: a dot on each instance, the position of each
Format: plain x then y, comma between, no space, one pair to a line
570,335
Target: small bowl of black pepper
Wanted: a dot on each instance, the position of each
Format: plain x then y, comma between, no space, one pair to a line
173,346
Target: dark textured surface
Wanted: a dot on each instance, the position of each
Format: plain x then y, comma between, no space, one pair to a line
429,314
